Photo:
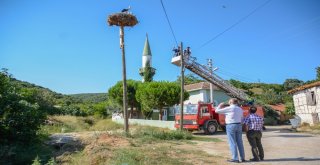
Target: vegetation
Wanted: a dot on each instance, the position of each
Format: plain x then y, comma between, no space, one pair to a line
158,95
115,93
144,145
318,73
189,79
148,73
20,114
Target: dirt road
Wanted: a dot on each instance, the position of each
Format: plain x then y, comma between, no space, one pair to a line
281,146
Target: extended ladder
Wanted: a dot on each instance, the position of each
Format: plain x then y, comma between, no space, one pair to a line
204,72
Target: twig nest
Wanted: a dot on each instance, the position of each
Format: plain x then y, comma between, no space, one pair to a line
122,19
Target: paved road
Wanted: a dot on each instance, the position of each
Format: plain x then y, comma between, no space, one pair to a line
281,145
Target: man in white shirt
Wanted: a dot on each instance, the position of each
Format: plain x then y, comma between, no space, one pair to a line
233,119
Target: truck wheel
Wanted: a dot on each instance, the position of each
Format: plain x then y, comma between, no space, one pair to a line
211,128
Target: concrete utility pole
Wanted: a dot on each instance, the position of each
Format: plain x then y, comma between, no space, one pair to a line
123,19
211,86
182,86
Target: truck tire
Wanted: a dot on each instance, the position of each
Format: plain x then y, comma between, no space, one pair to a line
211,128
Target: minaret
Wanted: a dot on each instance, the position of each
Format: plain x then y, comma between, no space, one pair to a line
147,72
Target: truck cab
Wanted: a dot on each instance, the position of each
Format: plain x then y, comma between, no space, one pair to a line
200,116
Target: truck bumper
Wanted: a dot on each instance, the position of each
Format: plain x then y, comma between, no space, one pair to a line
188,127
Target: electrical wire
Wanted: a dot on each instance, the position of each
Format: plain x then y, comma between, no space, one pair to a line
165,12
235,24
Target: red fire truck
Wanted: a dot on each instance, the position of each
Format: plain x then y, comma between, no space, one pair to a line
202,116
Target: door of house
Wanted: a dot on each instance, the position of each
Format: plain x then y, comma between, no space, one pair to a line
165,115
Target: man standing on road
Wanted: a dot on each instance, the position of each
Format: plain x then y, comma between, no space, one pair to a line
233,119
254,124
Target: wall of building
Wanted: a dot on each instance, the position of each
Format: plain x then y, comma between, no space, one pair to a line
195,97
303,110
204,96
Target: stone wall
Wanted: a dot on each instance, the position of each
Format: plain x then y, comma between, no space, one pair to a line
303,110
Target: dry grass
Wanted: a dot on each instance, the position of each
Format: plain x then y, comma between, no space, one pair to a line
100,141
305,127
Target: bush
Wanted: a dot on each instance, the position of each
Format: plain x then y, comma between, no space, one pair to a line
19,119
270,121
161,134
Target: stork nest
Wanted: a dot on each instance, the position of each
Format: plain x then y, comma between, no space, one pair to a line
122,19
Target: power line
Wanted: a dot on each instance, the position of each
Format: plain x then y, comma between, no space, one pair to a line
233,75
235,24
165,12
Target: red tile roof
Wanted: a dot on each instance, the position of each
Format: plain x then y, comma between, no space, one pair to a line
278,107
303,87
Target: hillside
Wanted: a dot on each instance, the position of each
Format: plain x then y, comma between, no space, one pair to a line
90,97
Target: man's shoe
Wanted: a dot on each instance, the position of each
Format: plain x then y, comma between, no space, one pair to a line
243,160
233,161
254,160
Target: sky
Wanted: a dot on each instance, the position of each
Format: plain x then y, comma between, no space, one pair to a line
68,47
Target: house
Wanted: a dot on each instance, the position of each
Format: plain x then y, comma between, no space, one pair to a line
201,92
306,100
198,92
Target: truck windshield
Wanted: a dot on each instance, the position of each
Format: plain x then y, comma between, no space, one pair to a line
187,109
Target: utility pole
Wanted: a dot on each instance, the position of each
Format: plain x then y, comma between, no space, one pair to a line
182,85
123,19
124,81
211,86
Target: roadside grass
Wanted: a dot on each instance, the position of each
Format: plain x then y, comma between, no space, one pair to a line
315,129
66,124
24,154
157,153
111,145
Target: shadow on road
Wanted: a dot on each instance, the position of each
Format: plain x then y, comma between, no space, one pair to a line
291,159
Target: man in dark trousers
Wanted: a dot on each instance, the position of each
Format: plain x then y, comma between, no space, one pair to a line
254,126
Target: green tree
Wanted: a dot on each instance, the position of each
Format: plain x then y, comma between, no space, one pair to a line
318,73
115,93
19,119
270,96
148,73
290,108
189,79
158,95
292,83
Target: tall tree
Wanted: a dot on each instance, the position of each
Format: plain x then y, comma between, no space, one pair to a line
115,93
292,83
158,95
318,72
189,79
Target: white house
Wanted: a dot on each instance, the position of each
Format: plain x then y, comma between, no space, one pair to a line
201,92
307,102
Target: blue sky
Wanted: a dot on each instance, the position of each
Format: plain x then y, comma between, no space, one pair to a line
67,46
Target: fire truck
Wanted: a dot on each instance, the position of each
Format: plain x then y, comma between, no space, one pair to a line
202,116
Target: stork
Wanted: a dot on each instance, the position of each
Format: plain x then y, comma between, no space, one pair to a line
126,10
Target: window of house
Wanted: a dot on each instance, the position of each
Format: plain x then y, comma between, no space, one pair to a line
311,98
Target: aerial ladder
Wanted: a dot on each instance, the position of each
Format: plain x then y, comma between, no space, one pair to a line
206,73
